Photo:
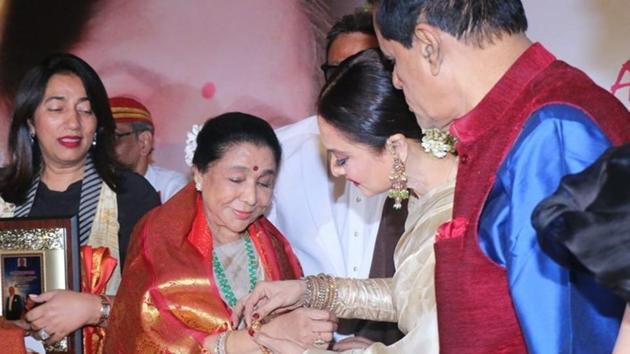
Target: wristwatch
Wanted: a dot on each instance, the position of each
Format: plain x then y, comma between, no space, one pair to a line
106,306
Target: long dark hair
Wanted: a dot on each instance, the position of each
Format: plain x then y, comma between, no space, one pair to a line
24,155
222,132
362,103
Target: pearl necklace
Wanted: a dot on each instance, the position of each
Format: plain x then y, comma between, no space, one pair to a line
224,285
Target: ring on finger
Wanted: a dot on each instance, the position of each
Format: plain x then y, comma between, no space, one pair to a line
319,342
42,334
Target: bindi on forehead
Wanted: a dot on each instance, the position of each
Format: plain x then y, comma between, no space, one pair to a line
255,168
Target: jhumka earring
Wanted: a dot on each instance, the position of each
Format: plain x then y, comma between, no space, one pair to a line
398,180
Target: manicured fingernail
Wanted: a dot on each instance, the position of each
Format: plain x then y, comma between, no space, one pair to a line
255,316
251,332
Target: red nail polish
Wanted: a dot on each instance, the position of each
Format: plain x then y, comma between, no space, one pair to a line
251,332
255,316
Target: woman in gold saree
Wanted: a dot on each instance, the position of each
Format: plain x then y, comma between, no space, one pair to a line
375,142
193,257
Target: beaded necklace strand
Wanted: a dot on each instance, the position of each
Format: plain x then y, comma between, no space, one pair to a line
252,267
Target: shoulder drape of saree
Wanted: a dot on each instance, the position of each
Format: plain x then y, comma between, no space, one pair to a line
104,232
164,303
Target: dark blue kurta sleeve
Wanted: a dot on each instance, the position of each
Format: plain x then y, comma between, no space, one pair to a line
560,310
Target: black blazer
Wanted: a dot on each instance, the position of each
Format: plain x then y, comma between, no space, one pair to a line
17,307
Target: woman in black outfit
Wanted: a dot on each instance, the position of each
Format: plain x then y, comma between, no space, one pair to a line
61,163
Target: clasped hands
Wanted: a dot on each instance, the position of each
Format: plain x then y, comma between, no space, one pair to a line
294,329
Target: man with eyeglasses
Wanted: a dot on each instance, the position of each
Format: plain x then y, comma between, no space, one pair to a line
350,35
134,144
332,227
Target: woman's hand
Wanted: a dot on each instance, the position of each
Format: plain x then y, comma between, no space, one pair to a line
269,297
62,312
303,326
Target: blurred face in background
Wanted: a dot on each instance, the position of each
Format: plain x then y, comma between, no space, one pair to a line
187,62
349,44
127,145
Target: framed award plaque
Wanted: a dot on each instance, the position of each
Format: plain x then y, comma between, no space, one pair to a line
38,255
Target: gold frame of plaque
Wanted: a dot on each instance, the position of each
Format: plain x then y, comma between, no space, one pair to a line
41,254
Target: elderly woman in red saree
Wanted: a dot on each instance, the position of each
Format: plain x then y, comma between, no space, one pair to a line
192,258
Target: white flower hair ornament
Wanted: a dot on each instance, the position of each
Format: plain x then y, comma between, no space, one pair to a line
191,143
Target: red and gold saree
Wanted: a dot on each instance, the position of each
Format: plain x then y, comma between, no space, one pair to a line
168,301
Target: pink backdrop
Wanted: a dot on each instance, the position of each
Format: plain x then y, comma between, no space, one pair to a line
188,61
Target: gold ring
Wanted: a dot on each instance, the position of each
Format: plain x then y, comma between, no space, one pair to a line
256,325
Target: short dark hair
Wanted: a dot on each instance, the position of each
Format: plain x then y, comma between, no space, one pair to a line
363,104
226,130
360,21
24,155
476,21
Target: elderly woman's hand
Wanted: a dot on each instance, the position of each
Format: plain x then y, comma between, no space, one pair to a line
269,297
306,327
62,312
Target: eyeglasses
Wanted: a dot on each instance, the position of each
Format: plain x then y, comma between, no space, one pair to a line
119,136
328,70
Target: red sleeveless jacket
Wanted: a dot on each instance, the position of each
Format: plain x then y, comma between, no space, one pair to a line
475,311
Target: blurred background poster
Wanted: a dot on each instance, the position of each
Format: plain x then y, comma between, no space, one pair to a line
191,60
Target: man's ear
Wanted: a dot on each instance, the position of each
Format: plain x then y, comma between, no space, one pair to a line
145,139
427,40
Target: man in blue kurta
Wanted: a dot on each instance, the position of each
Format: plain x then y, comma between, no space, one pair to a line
523,120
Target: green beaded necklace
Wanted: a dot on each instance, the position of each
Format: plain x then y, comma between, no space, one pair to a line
252,267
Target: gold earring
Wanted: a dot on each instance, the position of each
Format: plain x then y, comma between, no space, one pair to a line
398,179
